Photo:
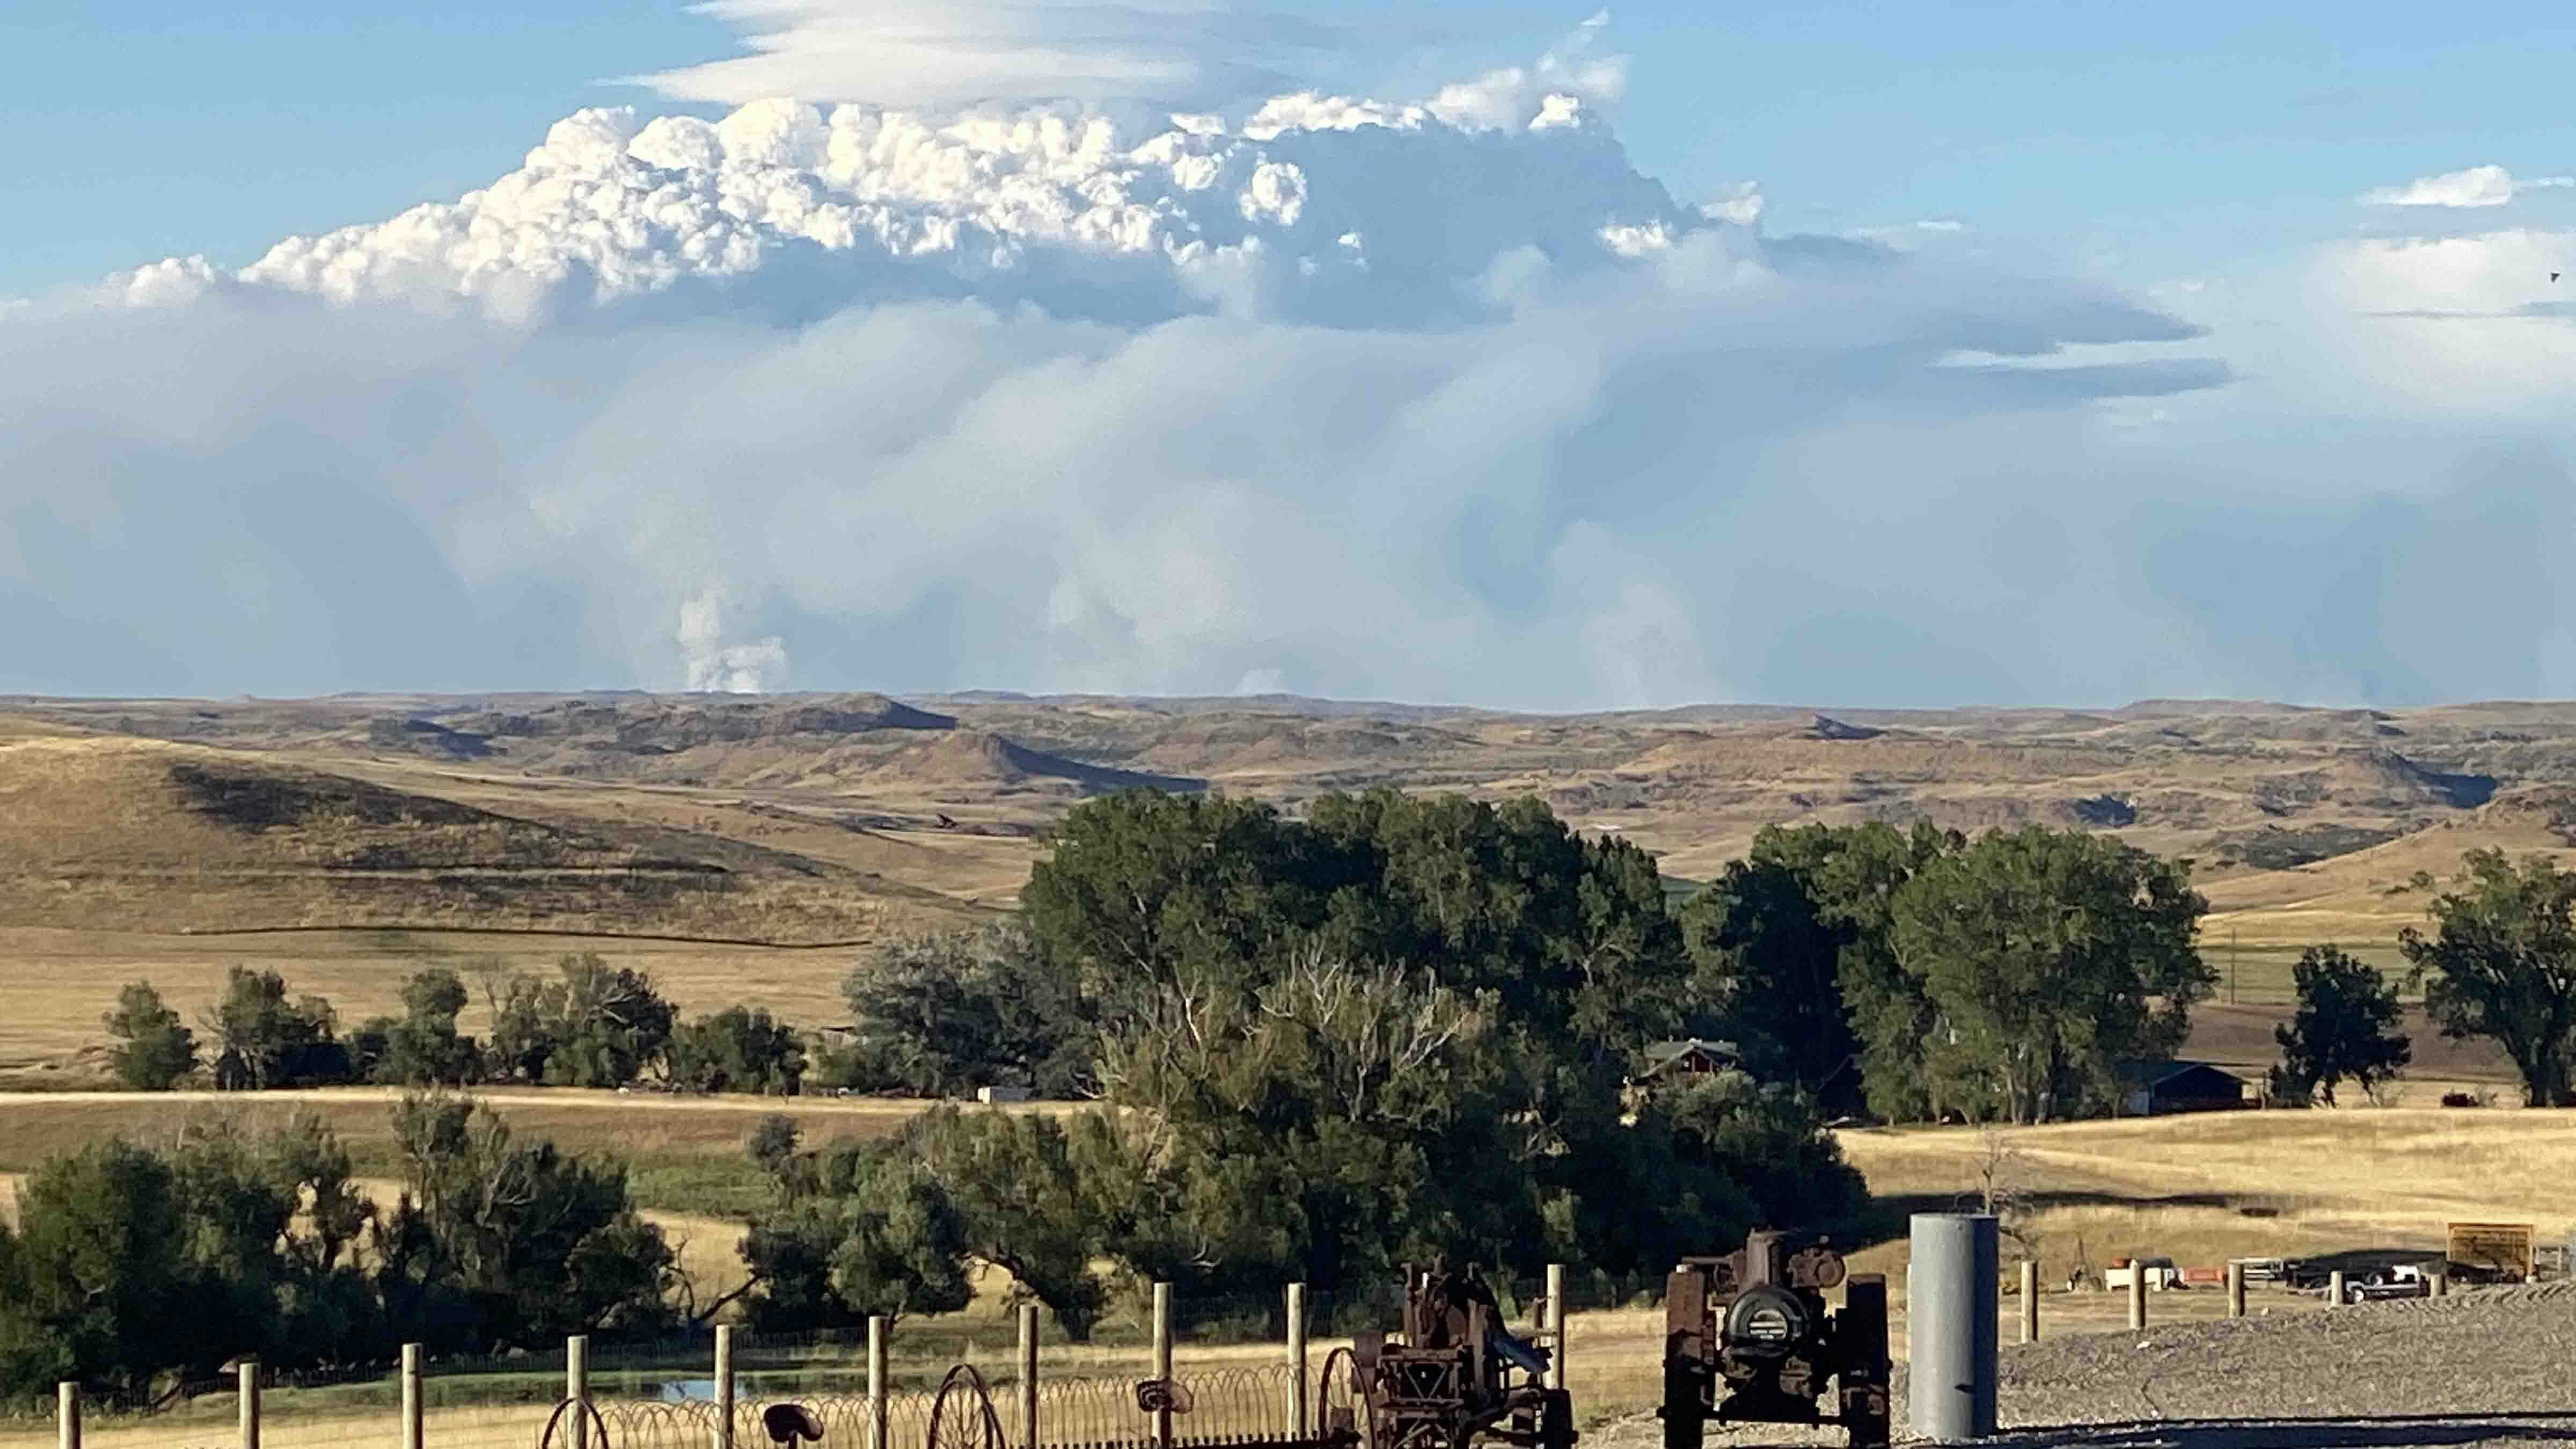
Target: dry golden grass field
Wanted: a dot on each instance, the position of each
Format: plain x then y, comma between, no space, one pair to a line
2200,1189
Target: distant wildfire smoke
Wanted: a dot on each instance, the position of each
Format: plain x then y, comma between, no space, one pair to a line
713,665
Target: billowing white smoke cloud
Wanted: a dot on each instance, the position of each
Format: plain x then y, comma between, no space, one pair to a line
1312,206
1339,397
755,668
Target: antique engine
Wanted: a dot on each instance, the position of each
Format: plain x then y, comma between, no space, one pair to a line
1748,1337
1455,1378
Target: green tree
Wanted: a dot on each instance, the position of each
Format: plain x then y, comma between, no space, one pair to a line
942,1013
738,1049
96,1289
2050,956
1026,1203
527,1025
2501,964
494,1242
594,1025
1859,874
1141,883
2344,1027
859,1229
613,1024
423,1047
131,1264
1397,1029
1340,1119
1569,936
153,1048
266,1040
1793,960
772,1144
1766,954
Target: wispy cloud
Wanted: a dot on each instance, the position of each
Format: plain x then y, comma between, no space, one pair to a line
911,53
2473,186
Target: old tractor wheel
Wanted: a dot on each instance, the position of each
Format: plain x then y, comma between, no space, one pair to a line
1685,1419
962,1416
1343,1417
1556,1420
1860,1331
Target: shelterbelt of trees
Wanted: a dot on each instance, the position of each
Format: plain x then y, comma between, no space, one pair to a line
1393,1029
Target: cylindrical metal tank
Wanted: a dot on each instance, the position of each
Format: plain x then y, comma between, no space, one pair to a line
1950,1310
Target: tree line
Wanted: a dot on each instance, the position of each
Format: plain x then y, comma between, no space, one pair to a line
137,1266
1907,975
2497,963
590,1025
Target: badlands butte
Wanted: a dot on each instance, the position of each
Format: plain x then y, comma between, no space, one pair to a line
740,847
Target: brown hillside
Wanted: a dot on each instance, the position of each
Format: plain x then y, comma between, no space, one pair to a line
143,835
131,829
2299,819
970,761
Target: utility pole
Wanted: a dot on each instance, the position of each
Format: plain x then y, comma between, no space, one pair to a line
2231,965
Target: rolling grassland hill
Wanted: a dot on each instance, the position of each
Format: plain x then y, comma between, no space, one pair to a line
717,831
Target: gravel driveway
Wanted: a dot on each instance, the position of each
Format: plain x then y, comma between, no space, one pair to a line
2495,1367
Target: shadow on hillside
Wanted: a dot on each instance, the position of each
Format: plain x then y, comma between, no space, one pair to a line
2299,1433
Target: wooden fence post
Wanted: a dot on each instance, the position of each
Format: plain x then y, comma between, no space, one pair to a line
2236,1290
724,1386
67,1415
577,1387
248,1371
2137,1295
1555,1325
2334,1289
1298,1408
2029,1300
1163,1358
876,1381
412,1413
1028,1376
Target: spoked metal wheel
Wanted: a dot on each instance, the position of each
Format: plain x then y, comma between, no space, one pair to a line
962,1416
1342,1414
575,1424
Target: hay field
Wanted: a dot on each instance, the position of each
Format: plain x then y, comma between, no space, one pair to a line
2201,1189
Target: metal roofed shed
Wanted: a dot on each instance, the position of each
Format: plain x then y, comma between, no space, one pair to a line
2159,1089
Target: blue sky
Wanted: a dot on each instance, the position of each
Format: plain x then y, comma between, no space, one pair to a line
2185,137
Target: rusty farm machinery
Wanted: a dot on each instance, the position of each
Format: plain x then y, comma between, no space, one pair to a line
1453,1377
1748,1338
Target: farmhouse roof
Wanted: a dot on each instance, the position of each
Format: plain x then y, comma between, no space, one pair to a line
2150,1075
1662,1054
